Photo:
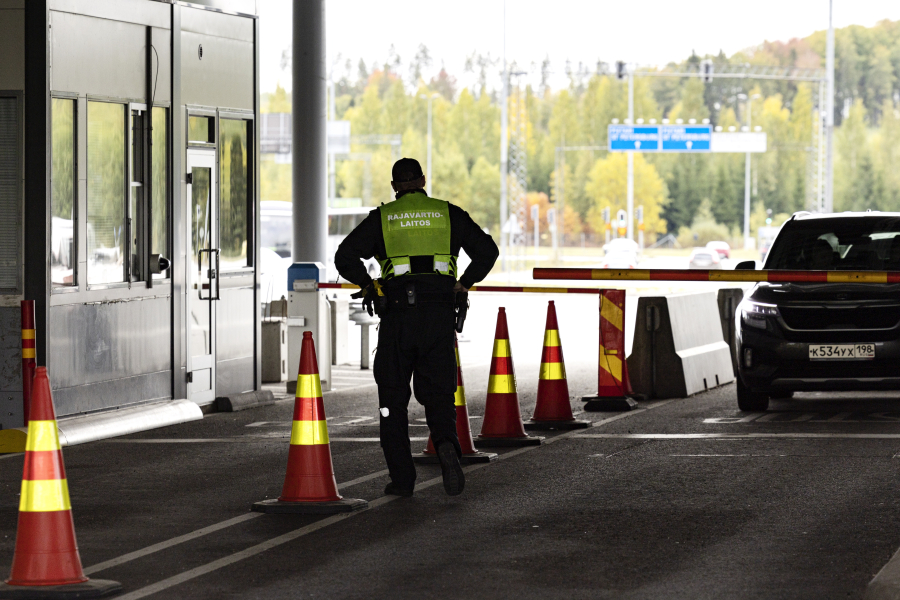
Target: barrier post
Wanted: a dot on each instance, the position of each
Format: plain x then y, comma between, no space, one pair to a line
28,356
612,373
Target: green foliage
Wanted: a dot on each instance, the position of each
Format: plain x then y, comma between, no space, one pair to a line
466,134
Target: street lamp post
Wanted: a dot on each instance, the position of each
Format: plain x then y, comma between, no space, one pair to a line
428,97
749,100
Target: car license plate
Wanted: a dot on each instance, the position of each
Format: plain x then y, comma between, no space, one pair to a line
841,351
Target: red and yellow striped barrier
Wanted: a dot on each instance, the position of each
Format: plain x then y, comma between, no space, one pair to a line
716,275
487,288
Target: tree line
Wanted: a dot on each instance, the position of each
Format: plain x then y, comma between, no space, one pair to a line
691,195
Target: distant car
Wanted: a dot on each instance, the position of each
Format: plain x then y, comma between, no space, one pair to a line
621,245
704,258
722,248
619,260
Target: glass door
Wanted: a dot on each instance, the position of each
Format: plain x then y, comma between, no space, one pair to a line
203,275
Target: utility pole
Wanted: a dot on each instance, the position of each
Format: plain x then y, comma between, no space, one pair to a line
829,114
332,190
504,148
630,207
429,97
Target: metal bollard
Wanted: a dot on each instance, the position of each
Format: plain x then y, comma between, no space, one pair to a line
364,346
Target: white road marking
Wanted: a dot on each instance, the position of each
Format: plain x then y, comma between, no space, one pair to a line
206,531
738,436
348,389
297,533
781,417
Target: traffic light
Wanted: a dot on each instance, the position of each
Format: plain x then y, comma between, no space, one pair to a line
768,216
706,68
606,218
622,225
640,217
621,73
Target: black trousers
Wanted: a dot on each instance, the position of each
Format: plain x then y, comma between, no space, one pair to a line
415,343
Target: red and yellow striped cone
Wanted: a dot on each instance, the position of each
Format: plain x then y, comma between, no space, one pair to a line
309,485
46,563
552,410
502,423
613,385
469,454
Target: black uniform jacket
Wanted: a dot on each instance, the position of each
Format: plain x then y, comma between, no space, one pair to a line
366,241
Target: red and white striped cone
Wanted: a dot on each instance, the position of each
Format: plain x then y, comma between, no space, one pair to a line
552,410
469,454
613,385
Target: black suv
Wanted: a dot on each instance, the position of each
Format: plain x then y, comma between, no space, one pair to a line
822,336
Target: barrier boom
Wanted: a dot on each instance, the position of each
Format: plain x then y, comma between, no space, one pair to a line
727,276
487,288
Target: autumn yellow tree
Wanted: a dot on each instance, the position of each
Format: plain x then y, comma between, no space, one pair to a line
607,186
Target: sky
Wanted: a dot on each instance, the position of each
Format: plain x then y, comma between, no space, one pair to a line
644,32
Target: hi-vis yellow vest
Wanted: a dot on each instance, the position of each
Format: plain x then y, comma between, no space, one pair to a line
416,225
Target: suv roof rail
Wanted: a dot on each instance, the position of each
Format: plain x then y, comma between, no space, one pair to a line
799,213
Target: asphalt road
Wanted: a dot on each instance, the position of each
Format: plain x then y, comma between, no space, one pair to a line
685,498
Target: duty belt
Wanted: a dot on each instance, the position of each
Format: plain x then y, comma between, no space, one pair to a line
409,297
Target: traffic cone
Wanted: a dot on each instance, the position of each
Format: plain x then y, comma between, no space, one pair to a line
502,424
46,563
309,485
469,454
553,410
613,385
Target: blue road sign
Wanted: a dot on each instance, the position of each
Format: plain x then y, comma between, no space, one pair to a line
659,138
628,137
686,138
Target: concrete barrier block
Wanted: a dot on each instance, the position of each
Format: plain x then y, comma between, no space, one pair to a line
236,402
728,299
274,351
678,347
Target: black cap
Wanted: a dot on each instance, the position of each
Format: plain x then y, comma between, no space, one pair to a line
406,169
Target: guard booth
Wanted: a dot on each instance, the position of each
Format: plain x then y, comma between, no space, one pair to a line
129,199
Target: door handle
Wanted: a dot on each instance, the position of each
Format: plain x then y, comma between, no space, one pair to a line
214,273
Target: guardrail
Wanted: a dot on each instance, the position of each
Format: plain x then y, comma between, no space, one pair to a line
770,276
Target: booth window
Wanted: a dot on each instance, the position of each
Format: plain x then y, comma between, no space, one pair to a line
9,196
201,130
63,254
160,176
106,178
234,212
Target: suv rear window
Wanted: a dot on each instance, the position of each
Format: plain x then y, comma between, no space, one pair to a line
838,244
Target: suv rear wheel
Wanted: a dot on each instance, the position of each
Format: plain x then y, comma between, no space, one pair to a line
750,401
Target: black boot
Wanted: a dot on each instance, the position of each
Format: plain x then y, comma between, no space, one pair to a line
393,489
454,478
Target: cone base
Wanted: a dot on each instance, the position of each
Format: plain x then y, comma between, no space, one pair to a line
426,458
533,425
608,404
508,442
93,588
277,507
